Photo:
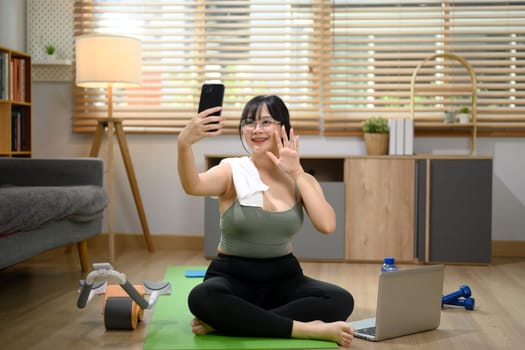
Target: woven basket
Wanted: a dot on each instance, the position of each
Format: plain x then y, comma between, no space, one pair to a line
376,144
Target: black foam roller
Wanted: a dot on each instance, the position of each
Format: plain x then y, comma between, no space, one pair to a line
118,313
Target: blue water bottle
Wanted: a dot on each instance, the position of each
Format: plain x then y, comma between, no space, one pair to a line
389,265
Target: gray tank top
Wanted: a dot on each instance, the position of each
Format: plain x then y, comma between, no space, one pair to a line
257,233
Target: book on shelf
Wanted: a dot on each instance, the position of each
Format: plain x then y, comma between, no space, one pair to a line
18,79
18,130
13,82
409,137
401,137
392,126
4,76
22,80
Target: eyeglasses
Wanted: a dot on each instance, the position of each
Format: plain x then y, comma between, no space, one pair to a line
250,124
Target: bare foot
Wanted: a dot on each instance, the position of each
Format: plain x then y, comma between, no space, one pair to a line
340,332
200,328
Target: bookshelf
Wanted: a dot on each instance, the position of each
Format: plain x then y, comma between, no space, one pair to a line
15,103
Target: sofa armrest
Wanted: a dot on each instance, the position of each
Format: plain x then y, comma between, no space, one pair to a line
51,172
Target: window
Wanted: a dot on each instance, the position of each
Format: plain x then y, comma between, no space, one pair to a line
335,63
254,47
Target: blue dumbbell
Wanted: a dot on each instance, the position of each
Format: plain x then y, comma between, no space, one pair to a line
467,303
462,292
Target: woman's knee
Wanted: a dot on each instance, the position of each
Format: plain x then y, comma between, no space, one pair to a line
342,303
197,300
204,297
346,302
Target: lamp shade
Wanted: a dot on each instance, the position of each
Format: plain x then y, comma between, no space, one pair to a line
103,59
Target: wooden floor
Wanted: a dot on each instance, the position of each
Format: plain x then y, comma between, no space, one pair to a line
38,302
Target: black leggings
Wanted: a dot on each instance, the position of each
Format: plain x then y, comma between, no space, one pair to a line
262,297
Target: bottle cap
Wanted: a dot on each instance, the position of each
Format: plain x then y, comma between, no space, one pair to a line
389,260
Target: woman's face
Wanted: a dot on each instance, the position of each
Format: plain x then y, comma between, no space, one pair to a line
259,134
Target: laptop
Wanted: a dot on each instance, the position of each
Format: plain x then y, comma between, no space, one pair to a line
408,301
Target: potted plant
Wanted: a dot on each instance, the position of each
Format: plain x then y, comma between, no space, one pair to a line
375,131
464,115
450,117
51,51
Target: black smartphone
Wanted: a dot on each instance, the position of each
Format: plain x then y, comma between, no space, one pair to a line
212,95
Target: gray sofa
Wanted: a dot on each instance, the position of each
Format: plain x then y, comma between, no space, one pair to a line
49,203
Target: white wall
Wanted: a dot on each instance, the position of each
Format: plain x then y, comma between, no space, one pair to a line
170,211
13,24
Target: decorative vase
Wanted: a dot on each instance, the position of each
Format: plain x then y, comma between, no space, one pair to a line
376,144
450,117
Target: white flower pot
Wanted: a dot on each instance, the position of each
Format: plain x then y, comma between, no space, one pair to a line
464,118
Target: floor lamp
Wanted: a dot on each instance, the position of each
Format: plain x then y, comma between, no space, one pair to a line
112,61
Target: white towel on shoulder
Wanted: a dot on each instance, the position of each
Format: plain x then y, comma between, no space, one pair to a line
247,181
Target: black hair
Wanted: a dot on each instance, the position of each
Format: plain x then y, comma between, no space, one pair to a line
276,107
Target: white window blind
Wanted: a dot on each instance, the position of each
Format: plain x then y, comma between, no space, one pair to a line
376,46
253,47
334,62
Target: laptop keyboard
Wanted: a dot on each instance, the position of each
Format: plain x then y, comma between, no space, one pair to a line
368,331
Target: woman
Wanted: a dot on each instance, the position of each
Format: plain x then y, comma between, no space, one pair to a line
255,285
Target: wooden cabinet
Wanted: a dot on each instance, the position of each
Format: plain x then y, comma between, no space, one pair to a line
454,210
419,209
15,103
379,208
309,244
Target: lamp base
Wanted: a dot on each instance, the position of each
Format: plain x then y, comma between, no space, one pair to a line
114,124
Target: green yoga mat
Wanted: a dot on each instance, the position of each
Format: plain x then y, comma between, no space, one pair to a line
170,324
